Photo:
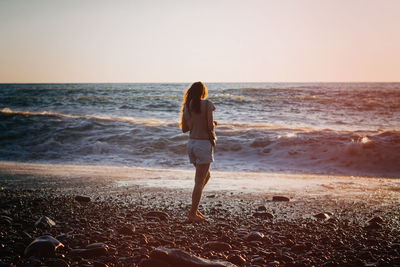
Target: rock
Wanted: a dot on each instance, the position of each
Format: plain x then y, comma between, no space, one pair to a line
44,222
158,214
56,263
153,263
263,215
211,196
274,264
299,248
217,245
255,236
261,208
373,226
5,220
99,264
26,238
237,259
180,258
258,260
322,216
280,198
376,219
82,199
43,246
127,229
92,250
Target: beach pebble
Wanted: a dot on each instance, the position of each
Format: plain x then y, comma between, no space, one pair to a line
255,236
44,222
127,229
299,248
56,263
258,260
263,215
280,198
261,208
5,220
82,199
237,259
43,246
274,264
178,257
376,219
158,214
153,263
373,226
217,245
92,250
322,216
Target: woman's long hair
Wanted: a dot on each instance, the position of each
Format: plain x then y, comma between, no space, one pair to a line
196,92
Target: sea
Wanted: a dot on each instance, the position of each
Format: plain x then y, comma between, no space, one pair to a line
319,128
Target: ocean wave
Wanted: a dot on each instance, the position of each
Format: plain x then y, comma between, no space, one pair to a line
227,128
146,122
51,136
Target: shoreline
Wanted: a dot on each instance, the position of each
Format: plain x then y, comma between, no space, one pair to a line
358,224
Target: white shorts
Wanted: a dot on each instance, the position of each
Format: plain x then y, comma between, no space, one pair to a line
200,151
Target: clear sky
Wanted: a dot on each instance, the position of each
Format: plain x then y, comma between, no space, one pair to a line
208,40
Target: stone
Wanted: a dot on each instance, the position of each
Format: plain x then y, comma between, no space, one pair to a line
322,216
237,259
180,258
274,263
99,264
258,260
153,263
299,248
56,263
43,246
44,222
5,220
263,215
255,236
217,245
82,199
280,198
92,250
261,208
376,219
127,229
373,226
158,214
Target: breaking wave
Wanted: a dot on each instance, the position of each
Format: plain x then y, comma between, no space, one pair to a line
97,139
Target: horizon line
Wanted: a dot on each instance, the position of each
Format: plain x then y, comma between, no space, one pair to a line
194,81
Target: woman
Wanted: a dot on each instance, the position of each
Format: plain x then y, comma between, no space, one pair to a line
197,117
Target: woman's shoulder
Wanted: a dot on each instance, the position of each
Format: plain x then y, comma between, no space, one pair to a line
209,103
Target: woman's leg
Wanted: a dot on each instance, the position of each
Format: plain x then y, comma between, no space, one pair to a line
204,184
202,171
207,178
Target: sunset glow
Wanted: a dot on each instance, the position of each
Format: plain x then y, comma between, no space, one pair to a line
216,41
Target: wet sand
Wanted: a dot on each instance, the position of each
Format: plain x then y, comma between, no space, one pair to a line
357,222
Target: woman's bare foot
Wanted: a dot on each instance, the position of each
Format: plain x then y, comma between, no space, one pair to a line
198,213
195,218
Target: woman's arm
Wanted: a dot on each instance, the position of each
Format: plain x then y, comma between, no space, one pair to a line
210,116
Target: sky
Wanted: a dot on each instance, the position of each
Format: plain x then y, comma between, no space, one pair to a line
207,40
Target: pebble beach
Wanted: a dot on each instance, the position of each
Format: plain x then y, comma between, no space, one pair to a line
66,217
